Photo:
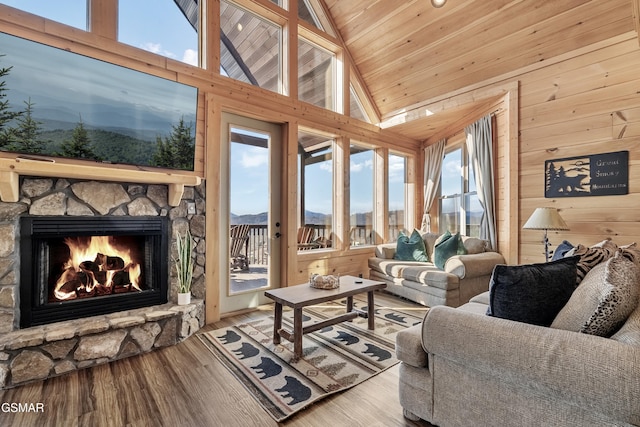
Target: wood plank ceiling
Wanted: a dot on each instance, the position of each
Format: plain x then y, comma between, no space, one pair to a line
410,53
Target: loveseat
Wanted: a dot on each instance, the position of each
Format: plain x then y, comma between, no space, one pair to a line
460,278
468,367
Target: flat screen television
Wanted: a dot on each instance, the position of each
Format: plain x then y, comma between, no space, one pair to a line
57,103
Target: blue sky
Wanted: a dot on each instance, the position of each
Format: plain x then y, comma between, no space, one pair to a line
144,24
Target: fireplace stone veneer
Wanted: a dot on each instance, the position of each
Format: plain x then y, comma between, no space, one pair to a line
39,352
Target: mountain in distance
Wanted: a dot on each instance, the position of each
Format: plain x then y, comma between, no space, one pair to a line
261,218
310,218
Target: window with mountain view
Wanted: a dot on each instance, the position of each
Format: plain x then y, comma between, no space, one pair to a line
397,193
315,190
460,210
361,206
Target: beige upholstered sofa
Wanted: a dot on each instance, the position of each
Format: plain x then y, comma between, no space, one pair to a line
463,276
462,367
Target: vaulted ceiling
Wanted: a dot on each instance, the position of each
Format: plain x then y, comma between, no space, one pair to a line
409,53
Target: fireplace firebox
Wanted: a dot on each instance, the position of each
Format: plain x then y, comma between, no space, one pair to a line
74,267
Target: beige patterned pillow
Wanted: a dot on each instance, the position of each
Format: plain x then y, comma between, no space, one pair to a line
604,300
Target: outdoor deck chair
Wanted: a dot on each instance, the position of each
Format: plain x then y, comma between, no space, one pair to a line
239,240
306,236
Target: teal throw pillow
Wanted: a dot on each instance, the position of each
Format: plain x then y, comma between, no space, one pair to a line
447,247
410,248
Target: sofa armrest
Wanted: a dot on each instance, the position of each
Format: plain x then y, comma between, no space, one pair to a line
473,265
595,373
386,250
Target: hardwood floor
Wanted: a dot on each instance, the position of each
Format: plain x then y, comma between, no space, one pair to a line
185,385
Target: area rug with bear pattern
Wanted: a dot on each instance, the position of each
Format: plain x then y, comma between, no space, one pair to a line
334,358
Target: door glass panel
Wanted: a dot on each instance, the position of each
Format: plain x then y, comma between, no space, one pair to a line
249,208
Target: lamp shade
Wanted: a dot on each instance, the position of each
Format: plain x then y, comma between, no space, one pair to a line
545,219
438,3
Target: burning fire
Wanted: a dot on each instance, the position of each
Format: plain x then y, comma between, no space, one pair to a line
97,267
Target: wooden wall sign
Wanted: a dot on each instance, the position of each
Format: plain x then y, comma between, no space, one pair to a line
592,175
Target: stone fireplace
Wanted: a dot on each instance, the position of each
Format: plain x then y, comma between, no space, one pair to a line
75,267
57,315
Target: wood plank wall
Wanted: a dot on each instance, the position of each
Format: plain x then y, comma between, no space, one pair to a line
585,102
585,105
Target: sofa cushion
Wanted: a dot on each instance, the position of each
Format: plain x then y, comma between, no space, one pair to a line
482,298
418,276
448,246
629,333
410,248
604,300
532,293
395,268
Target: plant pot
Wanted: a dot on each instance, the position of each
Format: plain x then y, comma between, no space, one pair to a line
184,299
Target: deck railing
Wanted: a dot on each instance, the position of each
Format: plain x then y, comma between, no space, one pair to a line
258,242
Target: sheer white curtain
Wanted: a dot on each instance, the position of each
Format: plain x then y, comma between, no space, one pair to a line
433,156
480,147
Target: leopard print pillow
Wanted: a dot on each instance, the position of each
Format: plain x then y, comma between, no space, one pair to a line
604,300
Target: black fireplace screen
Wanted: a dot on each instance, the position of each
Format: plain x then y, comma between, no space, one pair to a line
73,267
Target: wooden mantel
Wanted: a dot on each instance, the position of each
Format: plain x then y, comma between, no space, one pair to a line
12,167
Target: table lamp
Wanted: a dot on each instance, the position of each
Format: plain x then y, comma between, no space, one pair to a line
545,219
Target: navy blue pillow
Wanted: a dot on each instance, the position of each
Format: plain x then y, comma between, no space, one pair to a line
532,293
561,250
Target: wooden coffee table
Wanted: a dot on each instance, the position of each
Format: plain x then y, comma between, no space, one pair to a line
300,296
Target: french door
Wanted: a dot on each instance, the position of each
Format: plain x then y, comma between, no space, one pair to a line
251,151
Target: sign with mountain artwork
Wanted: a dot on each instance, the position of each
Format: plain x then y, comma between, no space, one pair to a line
593,175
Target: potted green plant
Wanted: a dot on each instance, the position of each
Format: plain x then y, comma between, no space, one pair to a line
184,267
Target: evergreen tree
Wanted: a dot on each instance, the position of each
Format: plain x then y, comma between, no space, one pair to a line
177,150
79,146
26,135
164,154
6,115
